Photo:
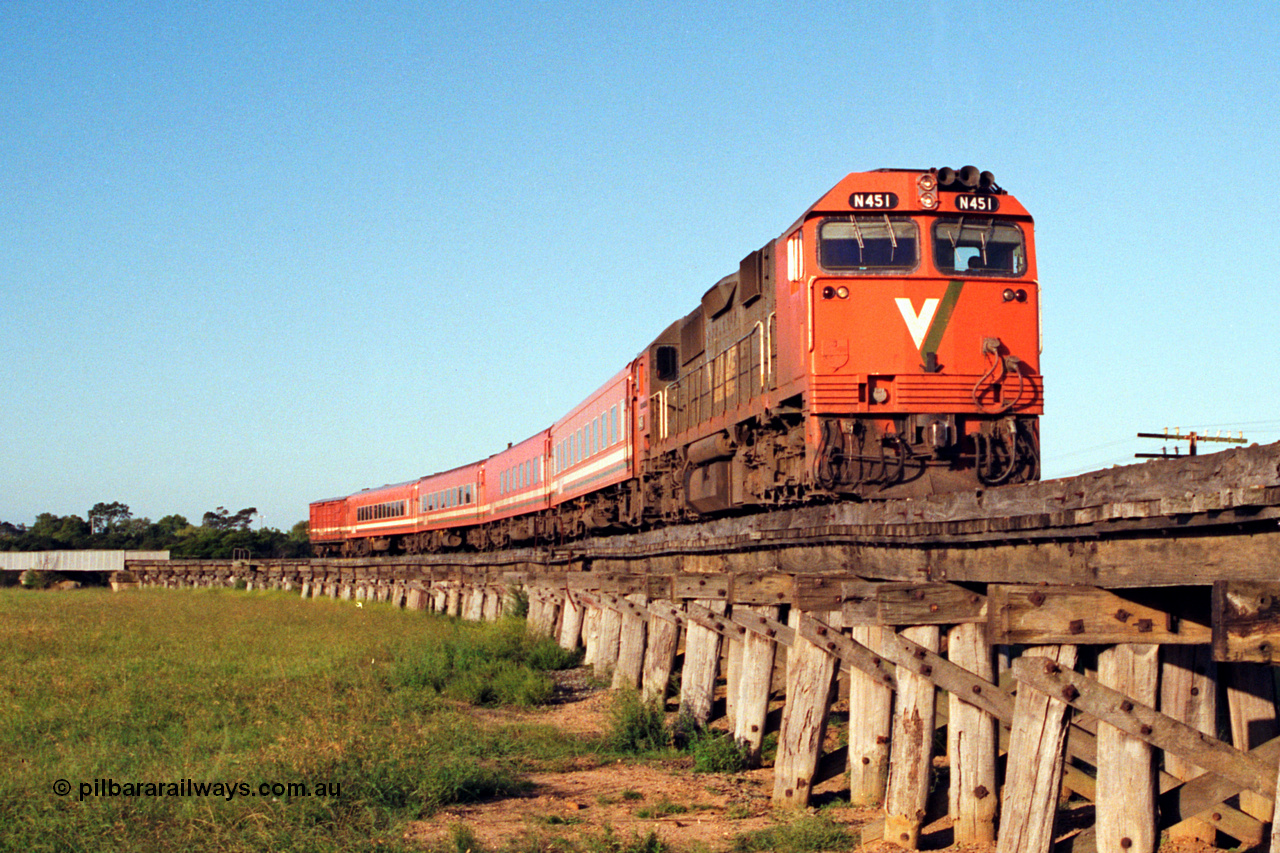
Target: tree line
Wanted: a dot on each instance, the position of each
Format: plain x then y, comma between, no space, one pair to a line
112,526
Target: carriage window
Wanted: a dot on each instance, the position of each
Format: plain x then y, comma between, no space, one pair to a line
972,246
868,243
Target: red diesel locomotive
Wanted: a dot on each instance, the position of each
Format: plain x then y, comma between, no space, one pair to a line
886,345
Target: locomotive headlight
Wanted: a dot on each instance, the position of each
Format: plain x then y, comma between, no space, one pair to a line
842,292
928,200
927,182
879,395
1009,295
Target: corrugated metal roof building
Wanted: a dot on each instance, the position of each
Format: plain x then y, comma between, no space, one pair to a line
73,561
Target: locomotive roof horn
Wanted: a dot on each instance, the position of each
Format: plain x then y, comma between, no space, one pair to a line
967,178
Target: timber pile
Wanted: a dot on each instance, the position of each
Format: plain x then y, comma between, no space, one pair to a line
1082,632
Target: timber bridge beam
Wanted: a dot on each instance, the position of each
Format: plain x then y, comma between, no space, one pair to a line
1070,636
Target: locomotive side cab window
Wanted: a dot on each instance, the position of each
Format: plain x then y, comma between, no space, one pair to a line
795,257
873,243
971,246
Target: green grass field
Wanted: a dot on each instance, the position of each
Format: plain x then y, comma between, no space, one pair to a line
163,690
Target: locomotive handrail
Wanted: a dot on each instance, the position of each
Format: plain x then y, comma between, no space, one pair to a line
770,321
760,324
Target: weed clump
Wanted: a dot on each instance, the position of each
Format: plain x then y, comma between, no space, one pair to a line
635,725
499,664
803,835
713,752
718,752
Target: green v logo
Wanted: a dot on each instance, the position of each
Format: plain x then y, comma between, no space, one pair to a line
927,326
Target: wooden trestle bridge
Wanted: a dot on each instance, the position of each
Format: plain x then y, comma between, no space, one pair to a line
1090,636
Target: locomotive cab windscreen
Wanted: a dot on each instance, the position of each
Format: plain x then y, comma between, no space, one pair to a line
967,246
868,243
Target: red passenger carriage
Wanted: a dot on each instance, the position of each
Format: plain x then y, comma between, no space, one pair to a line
449,503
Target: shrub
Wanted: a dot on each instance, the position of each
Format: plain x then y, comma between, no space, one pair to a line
32,579
684,730
519,603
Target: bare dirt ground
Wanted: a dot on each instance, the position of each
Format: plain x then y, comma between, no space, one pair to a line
688,811
591,798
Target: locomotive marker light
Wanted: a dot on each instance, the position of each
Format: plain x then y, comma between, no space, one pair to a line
928,185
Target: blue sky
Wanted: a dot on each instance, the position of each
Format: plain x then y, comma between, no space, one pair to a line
261,255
